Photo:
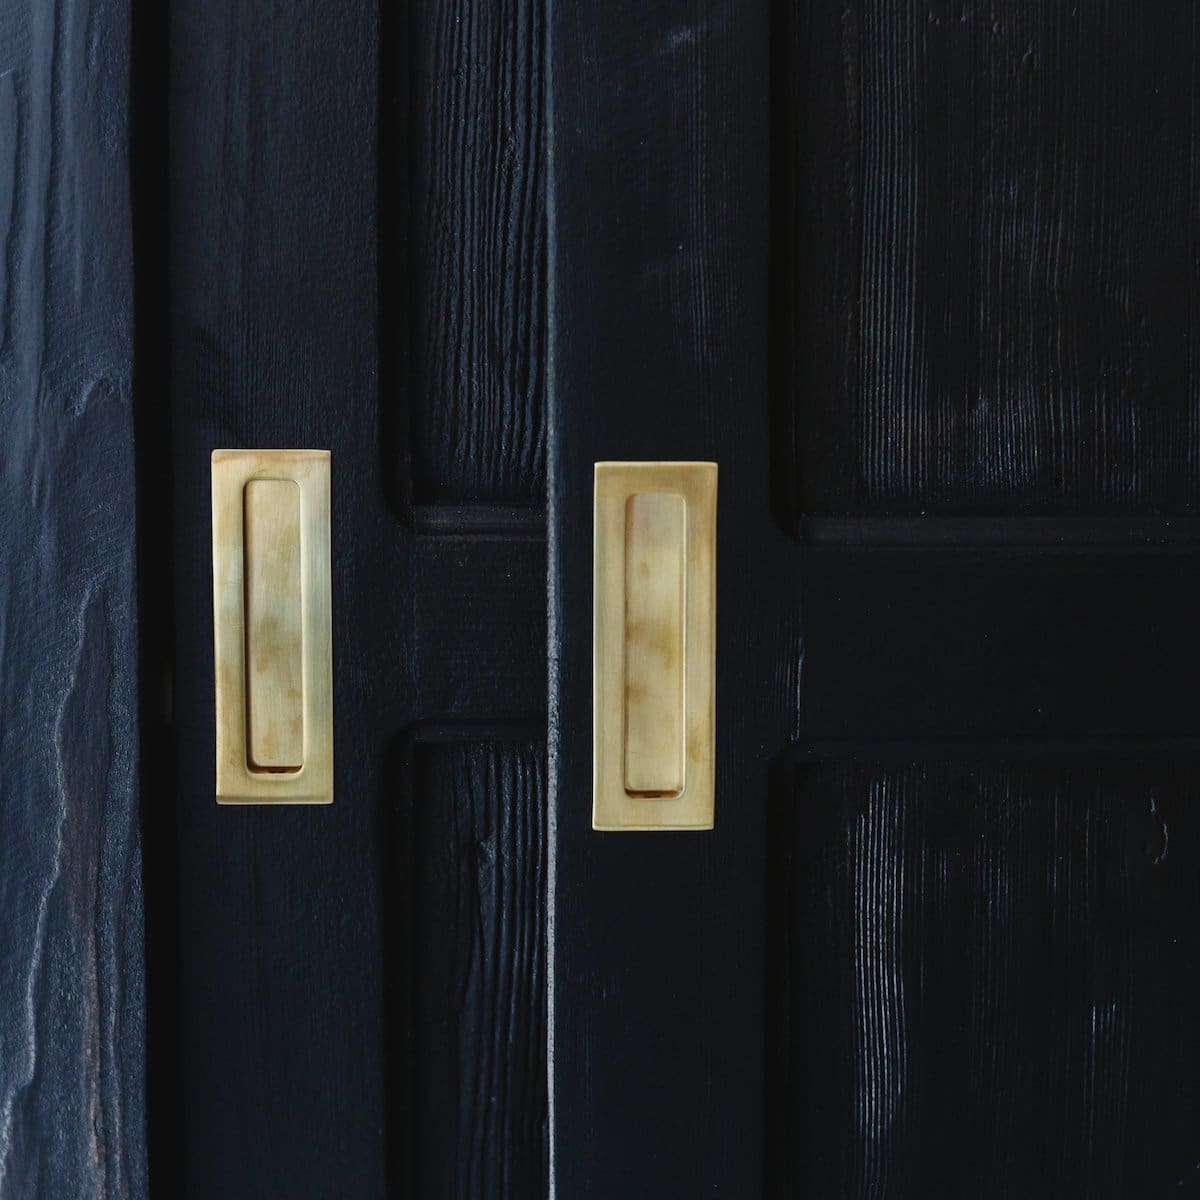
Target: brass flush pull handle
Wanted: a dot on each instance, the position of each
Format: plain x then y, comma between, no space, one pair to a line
654,631
271,626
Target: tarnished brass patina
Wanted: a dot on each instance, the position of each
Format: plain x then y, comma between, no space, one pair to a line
654,630
272,627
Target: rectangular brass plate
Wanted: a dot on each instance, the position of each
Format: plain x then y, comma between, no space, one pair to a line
654,645
272,626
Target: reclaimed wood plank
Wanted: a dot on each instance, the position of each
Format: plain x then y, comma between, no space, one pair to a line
72,1017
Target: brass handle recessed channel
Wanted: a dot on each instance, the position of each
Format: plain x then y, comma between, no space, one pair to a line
274,626
654,645
271,626
655,589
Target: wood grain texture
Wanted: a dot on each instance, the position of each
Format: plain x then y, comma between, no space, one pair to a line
478,970
658,308
985,269
280,1088
984,975
293,1070
72,1107
476,156
975,987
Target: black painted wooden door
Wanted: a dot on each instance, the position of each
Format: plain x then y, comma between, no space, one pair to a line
922,279
357,1007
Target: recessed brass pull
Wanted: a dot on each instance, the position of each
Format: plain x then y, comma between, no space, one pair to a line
271,624
274,626
654,645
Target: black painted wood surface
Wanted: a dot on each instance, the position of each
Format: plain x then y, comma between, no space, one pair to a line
984,257
982,979
473,118
658,309
478,855
72,1104
977,410
975,229
304,934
